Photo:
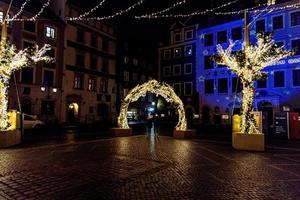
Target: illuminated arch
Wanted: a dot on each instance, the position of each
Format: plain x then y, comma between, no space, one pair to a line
164,90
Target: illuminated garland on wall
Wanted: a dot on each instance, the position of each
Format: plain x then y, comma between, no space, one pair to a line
164,90
110,16
34,18
154,16
248,64
20,11
88,12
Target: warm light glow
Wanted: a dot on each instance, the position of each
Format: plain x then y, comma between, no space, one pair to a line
43,89
248,64
155,87
75,108
12,120
54,90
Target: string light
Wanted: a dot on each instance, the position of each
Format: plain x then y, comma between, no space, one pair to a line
248,64
162,11
111,16
88,12
239,11
164,90
186,15
20,11
12,60
34,17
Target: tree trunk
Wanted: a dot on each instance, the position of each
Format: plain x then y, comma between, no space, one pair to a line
3,106
248,121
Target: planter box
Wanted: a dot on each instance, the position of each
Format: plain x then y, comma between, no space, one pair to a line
187,134
10,138
248,142
121,132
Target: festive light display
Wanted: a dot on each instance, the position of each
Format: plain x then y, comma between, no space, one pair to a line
88,12
122,12
20,11
155,15
12,60
34,18
248,64
155,87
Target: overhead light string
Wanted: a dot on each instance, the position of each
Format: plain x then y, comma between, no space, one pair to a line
20,11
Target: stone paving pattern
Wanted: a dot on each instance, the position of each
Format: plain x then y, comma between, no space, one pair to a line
142,167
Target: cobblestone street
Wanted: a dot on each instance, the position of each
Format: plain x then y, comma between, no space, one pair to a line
142,167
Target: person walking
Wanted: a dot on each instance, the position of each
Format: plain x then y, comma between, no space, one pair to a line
156,124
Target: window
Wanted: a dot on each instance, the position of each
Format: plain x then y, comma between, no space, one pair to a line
296,77
105,63
189,34
92,84
29,26
103,85
188,50
295,18
188,68
208,62
94,62
223,85
277,22
260,26
177,37
48,78
177,70
167,71
80,60
135,62
296,46
135,77
126,76
279,79
188,89
78,81
261,83
222,37
126,60
177,52
236,33
209,86
279,44
104,45
94,41
236,85
80,36
177,88
50,32
48,107
27,75
208,39
167,54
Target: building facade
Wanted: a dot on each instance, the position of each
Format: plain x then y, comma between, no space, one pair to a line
36,90
89,77
177,65
220,89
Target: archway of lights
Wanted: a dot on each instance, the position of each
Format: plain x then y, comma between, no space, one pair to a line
162,89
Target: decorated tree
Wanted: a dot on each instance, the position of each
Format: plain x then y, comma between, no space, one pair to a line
248,64
12,60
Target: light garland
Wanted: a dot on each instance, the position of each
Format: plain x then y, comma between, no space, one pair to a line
150,16
110,16
20,11
162,11
12,60
164,90
248,64
88,12
34,17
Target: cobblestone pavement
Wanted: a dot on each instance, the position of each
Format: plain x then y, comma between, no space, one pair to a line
142,167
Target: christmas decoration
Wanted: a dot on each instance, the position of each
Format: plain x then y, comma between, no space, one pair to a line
155,87
248,64
12,60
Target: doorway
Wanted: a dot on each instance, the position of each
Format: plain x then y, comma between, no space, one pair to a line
73,113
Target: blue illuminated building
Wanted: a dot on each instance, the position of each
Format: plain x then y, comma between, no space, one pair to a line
219,89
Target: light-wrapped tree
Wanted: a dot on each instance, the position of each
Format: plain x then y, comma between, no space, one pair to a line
12,60
248,64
